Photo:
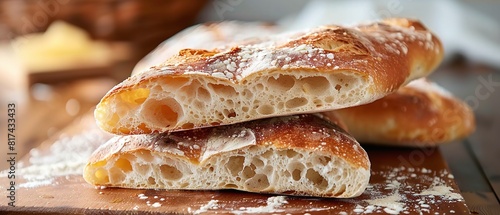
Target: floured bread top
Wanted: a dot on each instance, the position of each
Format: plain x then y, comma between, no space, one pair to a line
303,132
322,69
295,155
206,36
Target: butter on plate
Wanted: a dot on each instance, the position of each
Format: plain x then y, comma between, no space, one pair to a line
62,46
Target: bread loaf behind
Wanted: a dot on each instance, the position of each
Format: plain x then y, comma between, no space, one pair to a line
419,114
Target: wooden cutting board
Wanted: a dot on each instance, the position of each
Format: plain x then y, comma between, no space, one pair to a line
48,181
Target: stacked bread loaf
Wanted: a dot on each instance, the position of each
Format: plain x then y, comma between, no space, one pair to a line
269,113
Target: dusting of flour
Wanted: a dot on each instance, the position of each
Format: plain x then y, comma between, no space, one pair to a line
273,203
67,156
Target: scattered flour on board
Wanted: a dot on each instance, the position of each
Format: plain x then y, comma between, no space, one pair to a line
67,156
37,183
439,188
212,204
392,204
396,202
273,203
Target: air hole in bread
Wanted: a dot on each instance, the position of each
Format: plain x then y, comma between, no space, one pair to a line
187,126
248,171
268,170
145,156
170,173
203,95
223,90
259,87
297,174
291,153
323,160
220,116
341,190
142,169
296,102
314,85
124,165
318,180
115,118
162,113
135,97
247,94
101,175
151,180
338,87
257,162
235,164
296,168
175,83
198,105
281,83
157,88
124,130
230,186
267,154
115,175
329,99
265,109
257,183
144,128
229,113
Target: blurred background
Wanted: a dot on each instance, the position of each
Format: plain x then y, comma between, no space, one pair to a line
59,57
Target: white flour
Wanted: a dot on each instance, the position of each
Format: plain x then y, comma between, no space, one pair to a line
67,156
396,180
392,203
212,204
444,191
272,204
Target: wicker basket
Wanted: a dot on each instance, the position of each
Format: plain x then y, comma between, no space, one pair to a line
142,23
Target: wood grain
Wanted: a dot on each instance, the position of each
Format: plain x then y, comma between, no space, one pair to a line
476,159
402,171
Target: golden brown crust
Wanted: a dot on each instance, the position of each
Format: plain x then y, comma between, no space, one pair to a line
385,55
302,132
386,51
420,114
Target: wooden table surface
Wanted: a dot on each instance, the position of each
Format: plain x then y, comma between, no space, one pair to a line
473,162
397,184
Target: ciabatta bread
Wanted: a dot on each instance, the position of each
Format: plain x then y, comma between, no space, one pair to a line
295,155
322,69
420,114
